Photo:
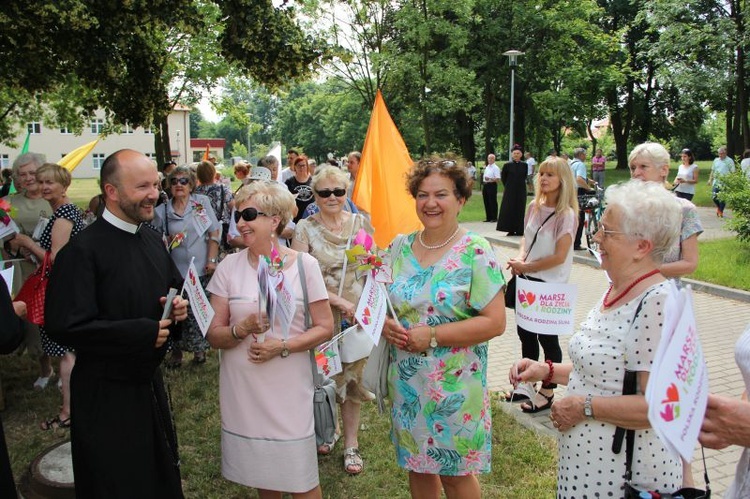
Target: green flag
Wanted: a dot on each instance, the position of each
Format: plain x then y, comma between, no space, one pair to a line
25,147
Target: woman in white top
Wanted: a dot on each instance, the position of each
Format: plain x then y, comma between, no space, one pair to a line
687,176
550,225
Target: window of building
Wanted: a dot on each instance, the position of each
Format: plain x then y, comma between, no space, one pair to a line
35,127
126,128
4,161
98,160
97,126
65,130
149,130
151,155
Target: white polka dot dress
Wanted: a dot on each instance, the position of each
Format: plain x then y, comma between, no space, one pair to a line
601,350
72,213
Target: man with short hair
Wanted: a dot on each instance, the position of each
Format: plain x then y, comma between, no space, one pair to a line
291,158
105,299
490,177
723,165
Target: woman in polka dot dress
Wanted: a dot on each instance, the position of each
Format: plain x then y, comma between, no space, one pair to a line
65,222
621,333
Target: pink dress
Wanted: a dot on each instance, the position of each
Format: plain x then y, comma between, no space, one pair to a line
267,426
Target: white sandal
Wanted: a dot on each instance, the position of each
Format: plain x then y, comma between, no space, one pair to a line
352,458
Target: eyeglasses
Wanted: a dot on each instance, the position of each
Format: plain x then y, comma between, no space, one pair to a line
606,232
446,163
248,215
326,193
180,180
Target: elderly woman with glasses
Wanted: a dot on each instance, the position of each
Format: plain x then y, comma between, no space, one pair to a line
326,235
447,294
621,333
266,385
191,233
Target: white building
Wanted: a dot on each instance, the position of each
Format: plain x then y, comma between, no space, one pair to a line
55,143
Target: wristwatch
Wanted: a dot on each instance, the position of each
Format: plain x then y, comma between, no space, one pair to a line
213,260
433,338
284,350
588,409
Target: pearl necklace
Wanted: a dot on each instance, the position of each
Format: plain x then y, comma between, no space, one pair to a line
438,246
632,285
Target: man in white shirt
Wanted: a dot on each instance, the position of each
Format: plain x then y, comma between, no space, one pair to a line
490,177
531,162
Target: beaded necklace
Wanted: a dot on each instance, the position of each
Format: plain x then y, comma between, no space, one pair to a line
438,246
632,285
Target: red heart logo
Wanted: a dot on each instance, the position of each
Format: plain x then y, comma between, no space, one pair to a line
673,394
531,297
668,413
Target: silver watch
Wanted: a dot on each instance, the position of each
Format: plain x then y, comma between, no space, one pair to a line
588,409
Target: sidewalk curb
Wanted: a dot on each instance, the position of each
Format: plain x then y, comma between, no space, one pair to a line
705,287
528,421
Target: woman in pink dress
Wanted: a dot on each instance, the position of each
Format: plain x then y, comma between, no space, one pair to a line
266,385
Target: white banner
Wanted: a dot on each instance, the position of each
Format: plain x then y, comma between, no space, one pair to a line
199,304
371,308
8,276
677,389
545,307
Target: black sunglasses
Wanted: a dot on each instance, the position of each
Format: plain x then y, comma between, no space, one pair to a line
180,180
326,193
248,215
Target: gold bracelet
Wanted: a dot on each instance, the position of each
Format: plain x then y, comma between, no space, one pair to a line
234,333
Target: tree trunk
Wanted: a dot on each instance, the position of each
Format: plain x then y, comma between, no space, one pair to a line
162,146
465,127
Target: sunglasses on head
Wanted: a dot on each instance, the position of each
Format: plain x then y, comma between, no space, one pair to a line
326,193
248,215
180,180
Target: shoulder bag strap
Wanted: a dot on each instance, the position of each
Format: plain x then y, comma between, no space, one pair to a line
317,377
536,234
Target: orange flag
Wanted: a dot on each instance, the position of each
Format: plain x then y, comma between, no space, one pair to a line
380,188
206,154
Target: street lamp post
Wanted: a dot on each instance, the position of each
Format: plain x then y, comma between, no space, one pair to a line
249,156
513,61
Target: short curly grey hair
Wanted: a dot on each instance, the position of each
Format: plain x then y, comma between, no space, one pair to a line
27,158
647,211
654,151
330,172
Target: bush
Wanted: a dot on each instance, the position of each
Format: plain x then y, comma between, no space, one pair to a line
735,191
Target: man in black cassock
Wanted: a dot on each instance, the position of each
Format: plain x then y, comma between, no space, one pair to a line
105,298
513,205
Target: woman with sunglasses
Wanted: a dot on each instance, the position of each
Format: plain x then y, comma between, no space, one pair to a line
447,293
326,235
191,231
265,385
299,186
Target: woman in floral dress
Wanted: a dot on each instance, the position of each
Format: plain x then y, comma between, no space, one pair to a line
446,291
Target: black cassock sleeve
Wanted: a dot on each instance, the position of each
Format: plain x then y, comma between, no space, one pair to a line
103,297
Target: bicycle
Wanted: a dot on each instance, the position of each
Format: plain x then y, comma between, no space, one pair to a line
593,208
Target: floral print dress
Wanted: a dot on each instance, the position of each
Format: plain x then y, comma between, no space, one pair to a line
441,408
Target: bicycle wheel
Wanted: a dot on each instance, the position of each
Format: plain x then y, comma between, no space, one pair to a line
592,227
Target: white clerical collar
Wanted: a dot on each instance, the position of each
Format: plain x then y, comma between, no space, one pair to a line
119,222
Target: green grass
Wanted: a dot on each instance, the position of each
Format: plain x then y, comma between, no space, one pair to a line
523,463
719,261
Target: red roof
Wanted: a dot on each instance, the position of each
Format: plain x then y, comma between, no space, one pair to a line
201,143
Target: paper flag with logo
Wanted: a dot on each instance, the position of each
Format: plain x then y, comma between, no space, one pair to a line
267,301
371,308
677,389
545,307
328,359
199,303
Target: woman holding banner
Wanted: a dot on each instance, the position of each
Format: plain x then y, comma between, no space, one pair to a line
326,235
447,295
546,254
191,231
621,333
266,385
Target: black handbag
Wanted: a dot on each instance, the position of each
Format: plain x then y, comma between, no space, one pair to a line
510,287
629,387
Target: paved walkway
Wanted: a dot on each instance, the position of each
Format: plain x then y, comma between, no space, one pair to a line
721,321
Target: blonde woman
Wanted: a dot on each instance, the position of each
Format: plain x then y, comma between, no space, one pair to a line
546,254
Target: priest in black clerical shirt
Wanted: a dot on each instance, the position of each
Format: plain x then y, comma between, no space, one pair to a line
105,299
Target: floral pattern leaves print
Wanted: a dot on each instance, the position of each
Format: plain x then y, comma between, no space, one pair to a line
441,409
